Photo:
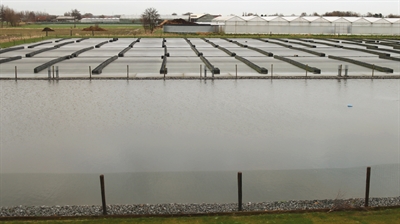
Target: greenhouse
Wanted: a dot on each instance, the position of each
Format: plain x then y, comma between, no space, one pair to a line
308,25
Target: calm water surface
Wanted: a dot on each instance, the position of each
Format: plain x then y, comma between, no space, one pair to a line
184,141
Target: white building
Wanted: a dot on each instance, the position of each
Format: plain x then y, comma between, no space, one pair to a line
308,25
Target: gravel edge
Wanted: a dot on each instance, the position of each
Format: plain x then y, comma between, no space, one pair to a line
203,208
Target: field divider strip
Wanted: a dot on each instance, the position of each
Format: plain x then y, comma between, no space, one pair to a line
50,63
28,55
10,59
363,64
300,65
99,69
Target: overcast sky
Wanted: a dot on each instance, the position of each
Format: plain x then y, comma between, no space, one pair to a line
219,7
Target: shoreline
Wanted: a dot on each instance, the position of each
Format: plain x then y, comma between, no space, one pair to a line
207,78
176,209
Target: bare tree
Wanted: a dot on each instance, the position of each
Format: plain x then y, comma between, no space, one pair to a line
2,14
150,18
75,13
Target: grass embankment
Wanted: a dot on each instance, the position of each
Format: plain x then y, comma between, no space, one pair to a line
12,36
377,216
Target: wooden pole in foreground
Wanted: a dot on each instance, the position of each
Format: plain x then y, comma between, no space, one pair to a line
15,73
272,70
373,69
90,73
127,71
200,72
367,186
236,70
103,195
239,177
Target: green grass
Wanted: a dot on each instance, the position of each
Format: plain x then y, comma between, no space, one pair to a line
366,217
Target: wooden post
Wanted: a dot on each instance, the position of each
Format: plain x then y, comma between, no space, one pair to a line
57,76
53,70
367,186
90,73
306,70
239,178
272,70
103,194
49,73
127,71
373,69
236,70
200,72
15,73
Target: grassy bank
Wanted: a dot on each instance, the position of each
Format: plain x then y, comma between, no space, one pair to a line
11,36
376,216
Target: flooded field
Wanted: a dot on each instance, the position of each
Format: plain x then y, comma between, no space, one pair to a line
184,140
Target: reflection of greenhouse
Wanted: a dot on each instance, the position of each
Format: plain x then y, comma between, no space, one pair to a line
308,25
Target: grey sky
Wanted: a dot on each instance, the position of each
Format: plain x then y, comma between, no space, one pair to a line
222,7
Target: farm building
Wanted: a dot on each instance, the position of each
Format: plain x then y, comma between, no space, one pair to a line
100,20
308,25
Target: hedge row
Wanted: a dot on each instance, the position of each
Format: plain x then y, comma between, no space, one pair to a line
230,53
11,49
134,42
259,69
166,54
82,39
50,63
113,40
359,44
300,65
285,45
99,68
363,64
210,67
261,39
226,39
332,45
101,44
10,59
197,52
269,54
307,45
309,51
75,54
59,40
65,43
38,44
334,41
286,41
163,69
121,54
389,58
366,51
388,50
39,51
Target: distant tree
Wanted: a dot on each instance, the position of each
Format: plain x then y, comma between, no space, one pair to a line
75,13
67,13
342,13
303,14
87,15
393,16
315,14
2,15
11,17
187,14
150,18
174,14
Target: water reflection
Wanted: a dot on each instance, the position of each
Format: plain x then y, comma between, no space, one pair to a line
79,128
